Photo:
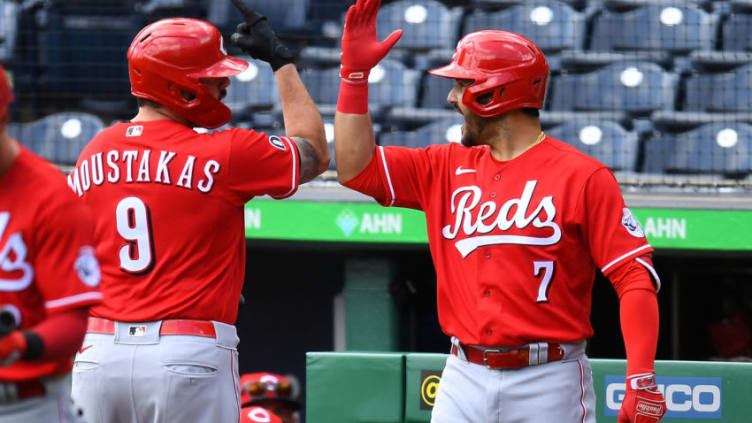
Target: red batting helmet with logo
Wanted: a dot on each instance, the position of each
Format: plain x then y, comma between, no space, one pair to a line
509,72
262,386
258,415
168,58
6,92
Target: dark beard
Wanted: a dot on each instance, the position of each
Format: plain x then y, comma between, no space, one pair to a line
473,129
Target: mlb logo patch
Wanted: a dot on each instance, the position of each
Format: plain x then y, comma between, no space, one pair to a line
134,131
137,330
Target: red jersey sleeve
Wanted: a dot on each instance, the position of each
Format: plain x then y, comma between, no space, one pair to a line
263,164
66,270
613,234
396,176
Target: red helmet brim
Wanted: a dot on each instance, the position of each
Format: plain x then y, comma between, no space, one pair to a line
229,66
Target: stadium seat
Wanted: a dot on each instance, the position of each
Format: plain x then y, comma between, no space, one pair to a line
720,92
678,29
550,24
737,32
435,91
8,29
390,84
255,88
608,142
720,148
658,150
426,24
635,87
82,48
438,132
60,137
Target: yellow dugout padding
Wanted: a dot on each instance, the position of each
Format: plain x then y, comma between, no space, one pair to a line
400,387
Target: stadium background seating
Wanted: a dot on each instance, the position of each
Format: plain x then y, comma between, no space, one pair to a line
655,81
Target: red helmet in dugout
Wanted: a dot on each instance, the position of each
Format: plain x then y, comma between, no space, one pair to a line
6,92
509,72
258,415
262,386
168,58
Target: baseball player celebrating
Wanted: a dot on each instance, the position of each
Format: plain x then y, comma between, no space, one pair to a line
48,279
517,222
169,204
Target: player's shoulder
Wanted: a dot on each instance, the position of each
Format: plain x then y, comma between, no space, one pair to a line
574,158
43,178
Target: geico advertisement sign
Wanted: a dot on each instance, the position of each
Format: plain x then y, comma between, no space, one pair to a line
686,397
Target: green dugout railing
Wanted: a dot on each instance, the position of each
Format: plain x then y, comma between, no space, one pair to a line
400,388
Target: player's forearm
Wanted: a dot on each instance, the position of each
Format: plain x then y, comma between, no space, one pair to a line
639,326
301,116
353,144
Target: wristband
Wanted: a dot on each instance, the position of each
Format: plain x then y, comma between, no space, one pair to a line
353,98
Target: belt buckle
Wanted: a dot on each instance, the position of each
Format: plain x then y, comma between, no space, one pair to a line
485,356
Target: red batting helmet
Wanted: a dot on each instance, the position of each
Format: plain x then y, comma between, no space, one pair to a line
6,92
166,61
268,386
508,70
258,415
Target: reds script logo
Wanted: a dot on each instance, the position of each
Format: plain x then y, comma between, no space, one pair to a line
465,200
13,259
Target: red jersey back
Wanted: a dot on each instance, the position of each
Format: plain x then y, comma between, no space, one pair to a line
169,208
515,244
47,261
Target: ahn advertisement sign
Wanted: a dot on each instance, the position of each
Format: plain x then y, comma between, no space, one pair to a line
686,397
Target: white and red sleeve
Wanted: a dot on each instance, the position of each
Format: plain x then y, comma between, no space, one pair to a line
396,176
262,164
66,271
612,232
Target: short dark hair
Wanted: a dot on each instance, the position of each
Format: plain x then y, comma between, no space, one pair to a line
532,112
146,102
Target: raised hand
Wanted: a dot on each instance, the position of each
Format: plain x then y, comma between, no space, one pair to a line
256,37
361,49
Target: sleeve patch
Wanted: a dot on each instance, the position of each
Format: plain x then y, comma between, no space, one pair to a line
631,224
277,142
87,267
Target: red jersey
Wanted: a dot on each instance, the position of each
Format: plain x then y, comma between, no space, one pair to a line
515,244
47,261
170,220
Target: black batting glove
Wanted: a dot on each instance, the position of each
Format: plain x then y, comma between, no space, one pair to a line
256,37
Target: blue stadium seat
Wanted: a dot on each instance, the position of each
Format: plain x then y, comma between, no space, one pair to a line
8,29
608,142
60,137
679,29
82,48
720,92
737,32
635,87
159,9
283,15
550,24
255,88
390,84
438,132
658,150
435,91
426,24
720,148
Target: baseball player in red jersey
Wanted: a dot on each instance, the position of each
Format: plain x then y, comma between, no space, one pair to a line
169,204
518,223
49,277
